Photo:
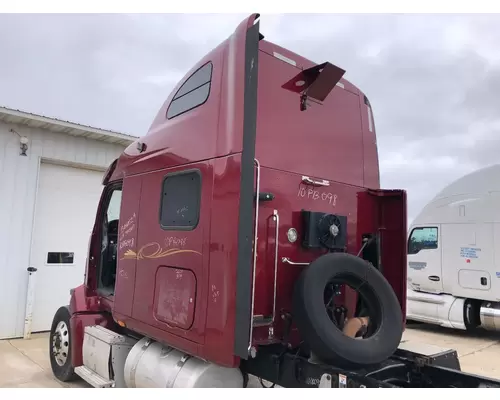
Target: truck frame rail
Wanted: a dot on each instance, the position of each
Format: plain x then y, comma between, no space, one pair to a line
414,365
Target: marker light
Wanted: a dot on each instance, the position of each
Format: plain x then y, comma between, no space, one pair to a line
292,235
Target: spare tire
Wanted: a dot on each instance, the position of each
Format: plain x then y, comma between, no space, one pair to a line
319,332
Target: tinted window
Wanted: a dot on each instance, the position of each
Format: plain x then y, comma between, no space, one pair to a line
180,202
193,93
423,239
60,258
199,78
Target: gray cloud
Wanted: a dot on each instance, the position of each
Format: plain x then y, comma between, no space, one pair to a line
433,80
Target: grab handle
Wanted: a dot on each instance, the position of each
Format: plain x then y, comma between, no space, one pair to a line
254,263
286,260
276,218
310,181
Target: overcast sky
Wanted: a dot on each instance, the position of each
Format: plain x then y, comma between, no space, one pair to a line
433,80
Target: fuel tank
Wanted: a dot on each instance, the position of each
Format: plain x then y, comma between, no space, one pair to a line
153,365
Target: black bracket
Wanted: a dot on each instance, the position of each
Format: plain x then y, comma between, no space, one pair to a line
265,196
315,83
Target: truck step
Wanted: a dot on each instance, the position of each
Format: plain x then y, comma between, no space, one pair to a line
92,378
260,320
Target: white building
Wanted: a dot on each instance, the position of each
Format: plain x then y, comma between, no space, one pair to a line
48,200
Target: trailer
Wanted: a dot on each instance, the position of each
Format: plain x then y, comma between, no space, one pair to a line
247,234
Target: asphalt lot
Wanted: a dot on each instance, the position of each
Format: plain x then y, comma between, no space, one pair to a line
25,363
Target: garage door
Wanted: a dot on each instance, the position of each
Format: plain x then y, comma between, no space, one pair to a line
67,200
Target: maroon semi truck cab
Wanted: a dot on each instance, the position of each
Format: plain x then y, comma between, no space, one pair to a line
259,164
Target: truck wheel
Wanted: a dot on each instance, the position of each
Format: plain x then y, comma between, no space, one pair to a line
321,334
60,346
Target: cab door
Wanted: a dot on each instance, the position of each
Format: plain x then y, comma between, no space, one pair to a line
127,244
170,283
425,259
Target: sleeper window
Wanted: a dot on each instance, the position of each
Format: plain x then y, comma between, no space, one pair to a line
193,93
180,201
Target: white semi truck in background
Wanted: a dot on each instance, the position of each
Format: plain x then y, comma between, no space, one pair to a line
454,255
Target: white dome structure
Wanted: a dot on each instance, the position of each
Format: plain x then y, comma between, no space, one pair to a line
474,197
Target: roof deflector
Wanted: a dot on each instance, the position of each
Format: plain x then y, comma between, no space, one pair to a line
315,83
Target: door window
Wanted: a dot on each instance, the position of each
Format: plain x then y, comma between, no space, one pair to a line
109,242
424,238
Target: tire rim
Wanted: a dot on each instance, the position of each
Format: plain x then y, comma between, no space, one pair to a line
60,343
364,292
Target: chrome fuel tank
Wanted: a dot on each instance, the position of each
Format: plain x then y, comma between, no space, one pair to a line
153,365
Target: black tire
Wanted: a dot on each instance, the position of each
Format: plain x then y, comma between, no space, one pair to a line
64,372
318,331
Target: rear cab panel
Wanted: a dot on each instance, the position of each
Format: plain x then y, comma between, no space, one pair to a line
333,141
325,141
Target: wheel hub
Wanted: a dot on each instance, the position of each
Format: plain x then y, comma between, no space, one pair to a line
60,343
